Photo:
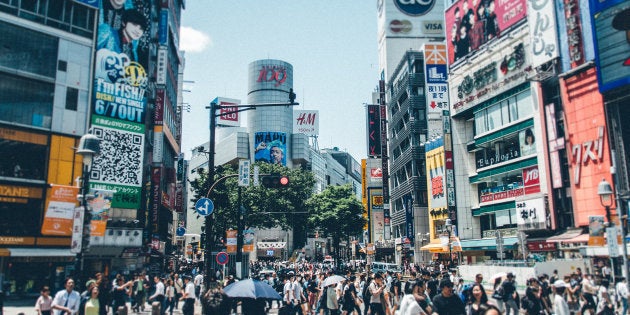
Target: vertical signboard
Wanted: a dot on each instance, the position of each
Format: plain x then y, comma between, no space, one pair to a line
377,220
77,230
374,131
596,230
306,122
436,79
120,100
408,206
542,27
612,42
162,65
364,192
100,206
435,174
574,37
555,144
270,147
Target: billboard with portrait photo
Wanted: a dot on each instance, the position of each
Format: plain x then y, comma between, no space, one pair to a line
527,142
611,23
472,23
270,147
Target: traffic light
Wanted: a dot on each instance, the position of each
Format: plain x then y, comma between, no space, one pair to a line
275,181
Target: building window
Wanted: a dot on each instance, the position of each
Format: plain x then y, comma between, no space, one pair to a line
25,101
72,98
28,51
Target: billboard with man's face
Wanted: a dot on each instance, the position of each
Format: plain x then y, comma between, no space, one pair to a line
270,147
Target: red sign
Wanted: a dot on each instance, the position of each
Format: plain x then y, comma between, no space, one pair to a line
228,112
222,258
376,173
437,186
272,73
541,246
574,32
503,195
531,180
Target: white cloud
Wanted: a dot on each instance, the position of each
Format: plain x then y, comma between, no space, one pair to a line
192,40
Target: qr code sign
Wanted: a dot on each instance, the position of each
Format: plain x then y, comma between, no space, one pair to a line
120,160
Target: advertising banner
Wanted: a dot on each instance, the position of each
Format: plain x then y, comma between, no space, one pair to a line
527,142
374,131
408,206
100,205
228,112
542,27
249,239
270,147
472,23
119,102
77,230
436,175
611,23
377,218
60,204
306,122
531,180
596,230
436,79
230,241
531,214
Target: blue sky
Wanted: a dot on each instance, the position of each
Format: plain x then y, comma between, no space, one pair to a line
332,45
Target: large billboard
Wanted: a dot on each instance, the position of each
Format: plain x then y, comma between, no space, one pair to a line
472,23
611,23
436,174
270,147
119,101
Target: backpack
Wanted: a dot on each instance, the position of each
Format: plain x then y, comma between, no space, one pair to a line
499,293
466,292
395,283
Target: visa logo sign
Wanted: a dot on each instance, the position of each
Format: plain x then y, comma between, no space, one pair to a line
433,27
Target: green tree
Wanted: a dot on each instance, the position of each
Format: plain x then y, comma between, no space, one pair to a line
337,212
266,207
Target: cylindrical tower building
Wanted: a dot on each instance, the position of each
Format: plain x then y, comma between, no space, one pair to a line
270,128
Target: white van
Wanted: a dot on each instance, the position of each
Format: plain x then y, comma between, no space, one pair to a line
383,266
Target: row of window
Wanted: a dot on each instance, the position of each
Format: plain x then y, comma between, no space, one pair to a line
65,15
511,109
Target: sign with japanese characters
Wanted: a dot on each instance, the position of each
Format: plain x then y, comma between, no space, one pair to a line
531,214
436,79
542,27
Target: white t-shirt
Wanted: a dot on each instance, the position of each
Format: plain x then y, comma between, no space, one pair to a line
190,290
73,300
288,292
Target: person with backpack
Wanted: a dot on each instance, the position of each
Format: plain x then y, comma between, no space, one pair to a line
532,301
350,297
510,295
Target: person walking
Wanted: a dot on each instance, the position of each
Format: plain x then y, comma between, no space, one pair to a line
90,304
560,305
376,289
510,295
159,296
170,295
622,294
179,289
478,302
67,301
119,294
43,305
447,303
189,296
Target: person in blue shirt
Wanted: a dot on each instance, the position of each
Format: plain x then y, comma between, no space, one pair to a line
125,40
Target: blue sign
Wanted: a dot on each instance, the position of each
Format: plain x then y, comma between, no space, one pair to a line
163,28
222,258
436,74
415,7
180,231
204,207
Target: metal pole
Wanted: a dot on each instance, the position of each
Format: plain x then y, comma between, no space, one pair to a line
450,248
621,214
239,235
207,256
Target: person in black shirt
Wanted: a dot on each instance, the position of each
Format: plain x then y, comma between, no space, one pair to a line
448,303
510,295
432,285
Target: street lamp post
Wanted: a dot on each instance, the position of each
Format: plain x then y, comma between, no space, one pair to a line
605,192
89,146
449,228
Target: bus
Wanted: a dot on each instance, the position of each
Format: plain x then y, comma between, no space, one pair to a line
378,266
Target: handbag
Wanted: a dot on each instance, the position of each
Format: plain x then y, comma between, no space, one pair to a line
498,293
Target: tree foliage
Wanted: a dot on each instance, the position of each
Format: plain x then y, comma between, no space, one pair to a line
266,207
337,212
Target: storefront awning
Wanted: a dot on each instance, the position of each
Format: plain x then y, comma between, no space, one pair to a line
488,243
569,236
40,252
4,252
435,248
